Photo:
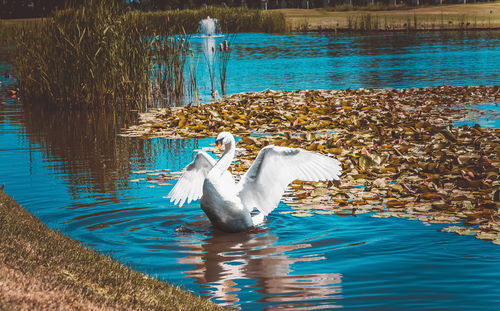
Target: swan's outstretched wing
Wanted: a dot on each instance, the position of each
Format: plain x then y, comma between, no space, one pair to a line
190,185
275,167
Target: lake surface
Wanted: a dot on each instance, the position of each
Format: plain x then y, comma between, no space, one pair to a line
74,172
323,61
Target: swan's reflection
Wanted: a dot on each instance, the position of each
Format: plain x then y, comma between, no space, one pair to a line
221,260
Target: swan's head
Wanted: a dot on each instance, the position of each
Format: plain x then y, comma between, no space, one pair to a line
223,139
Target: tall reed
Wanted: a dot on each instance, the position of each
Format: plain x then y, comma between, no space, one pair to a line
217,56
101,55
209,53
8,32
91,56
192,87
168,68
232,20
224,53
364,22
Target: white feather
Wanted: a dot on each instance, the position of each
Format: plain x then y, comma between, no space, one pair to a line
275,168
190,185
228,205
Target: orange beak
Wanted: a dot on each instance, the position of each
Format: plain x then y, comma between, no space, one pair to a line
218,144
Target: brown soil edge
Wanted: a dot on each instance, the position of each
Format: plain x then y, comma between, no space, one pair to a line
42,269
394,30
481,17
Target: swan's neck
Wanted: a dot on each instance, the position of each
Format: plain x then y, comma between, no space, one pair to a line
227,158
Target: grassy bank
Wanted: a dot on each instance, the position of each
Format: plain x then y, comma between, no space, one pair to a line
444,17
400,153
43,269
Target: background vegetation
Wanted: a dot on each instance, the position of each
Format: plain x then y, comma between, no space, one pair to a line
232,20
101,54
44,8
438,17
93,55
105,54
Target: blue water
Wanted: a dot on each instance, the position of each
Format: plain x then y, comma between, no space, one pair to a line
74,173
486,115
327,61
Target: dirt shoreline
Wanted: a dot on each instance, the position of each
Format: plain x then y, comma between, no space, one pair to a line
452,17
397,30
41,269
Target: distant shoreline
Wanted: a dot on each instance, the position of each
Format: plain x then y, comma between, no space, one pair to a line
463,17
447,17
397,30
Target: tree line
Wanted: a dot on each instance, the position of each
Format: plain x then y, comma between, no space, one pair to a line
44,8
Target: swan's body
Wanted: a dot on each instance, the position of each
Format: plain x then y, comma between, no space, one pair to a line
230,205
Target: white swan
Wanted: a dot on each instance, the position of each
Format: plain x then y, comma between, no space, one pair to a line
230,205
